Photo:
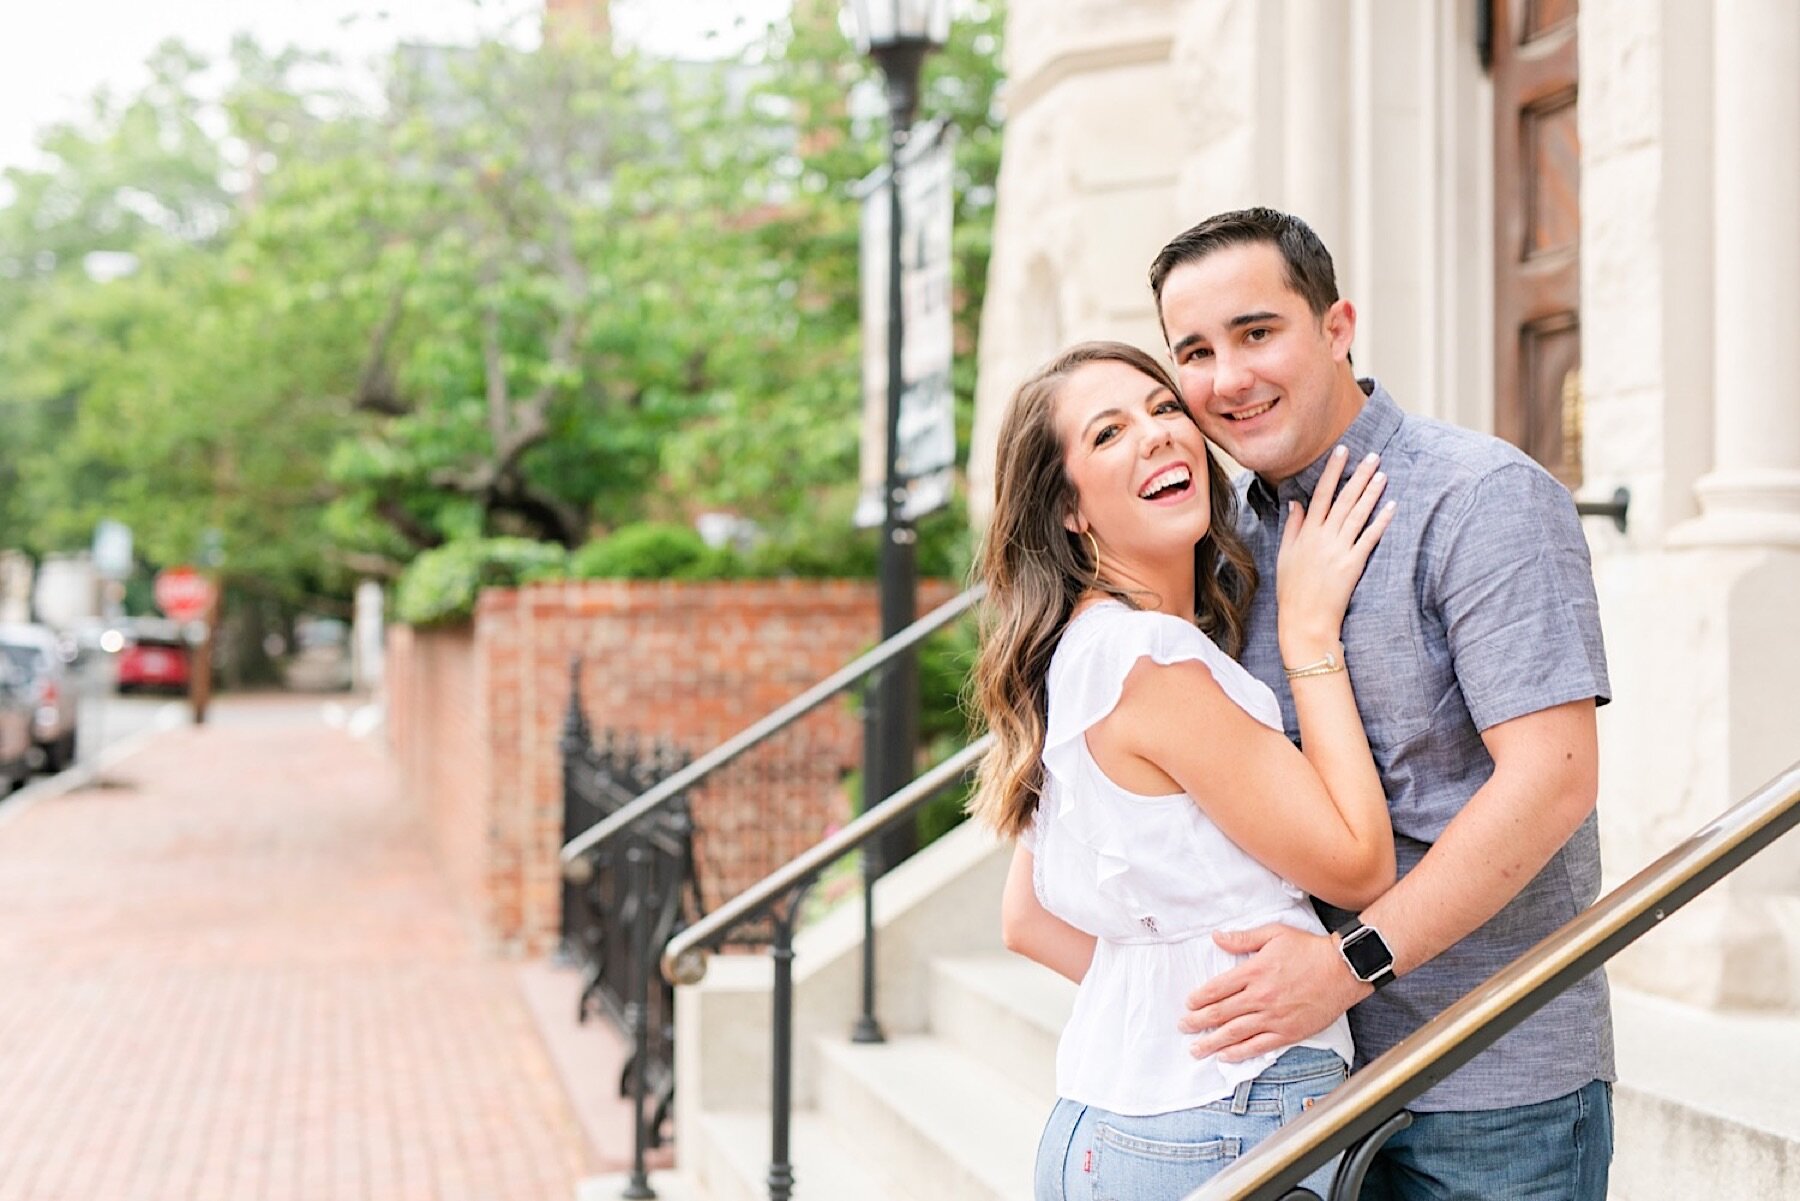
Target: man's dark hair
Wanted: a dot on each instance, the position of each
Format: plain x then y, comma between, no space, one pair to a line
1307,262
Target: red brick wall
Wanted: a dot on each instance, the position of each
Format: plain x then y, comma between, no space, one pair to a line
436,713
476,716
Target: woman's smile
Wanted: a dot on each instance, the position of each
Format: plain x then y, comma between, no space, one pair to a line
1171,483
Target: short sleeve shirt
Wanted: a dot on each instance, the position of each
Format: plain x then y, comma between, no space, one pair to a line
1477,607
1150,877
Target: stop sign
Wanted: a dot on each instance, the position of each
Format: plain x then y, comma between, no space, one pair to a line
183,593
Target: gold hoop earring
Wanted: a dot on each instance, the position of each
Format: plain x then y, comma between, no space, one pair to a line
1095,543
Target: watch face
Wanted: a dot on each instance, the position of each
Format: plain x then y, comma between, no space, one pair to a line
1367,953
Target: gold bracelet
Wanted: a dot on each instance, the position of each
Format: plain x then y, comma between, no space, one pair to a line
1329,665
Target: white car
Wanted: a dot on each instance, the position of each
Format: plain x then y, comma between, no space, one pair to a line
36,651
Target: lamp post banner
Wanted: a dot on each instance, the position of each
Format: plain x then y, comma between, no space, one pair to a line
927,423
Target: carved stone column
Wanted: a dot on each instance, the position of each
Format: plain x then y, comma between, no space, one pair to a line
1752,494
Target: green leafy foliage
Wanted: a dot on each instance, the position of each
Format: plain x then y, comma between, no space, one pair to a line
827,549
443,584
946,662
546,294
652,550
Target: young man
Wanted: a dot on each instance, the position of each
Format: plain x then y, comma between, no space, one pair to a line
1474,644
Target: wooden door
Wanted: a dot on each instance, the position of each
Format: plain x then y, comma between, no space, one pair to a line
1537,233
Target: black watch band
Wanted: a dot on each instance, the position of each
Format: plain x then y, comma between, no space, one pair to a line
1366,952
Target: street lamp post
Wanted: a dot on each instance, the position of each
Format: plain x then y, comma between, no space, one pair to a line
898,35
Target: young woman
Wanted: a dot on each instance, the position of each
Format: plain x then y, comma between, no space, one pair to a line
1145,774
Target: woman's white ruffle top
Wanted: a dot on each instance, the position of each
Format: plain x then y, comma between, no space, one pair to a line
1151,877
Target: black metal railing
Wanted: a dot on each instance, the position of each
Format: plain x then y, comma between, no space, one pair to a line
616,921
577,852
1357,1118
781,766
777,898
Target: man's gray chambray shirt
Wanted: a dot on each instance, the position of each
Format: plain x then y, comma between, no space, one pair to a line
1476,607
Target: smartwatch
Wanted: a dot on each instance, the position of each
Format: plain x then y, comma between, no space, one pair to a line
1366,952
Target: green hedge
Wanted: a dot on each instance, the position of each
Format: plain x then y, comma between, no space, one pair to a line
657,551
441,585
829,548
652,551
946,661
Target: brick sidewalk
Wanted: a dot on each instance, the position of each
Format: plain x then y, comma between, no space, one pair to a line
239,976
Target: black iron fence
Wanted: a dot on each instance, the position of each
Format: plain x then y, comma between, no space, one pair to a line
769,793
643,892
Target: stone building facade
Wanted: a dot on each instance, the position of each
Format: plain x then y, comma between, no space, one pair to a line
1644,153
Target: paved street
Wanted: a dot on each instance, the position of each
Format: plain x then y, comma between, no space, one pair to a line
107,721
234,972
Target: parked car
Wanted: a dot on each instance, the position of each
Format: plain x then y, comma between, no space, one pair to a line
36,652
86,641
15,726
155,655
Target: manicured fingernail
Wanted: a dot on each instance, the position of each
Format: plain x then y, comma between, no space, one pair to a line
1341,451
1381,477
1370,457
1392,505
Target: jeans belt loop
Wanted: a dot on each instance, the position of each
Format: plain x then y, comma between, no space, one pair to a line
1240,1100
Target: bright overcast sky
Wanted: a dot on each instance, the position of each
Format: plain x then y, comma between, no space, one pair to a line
55,53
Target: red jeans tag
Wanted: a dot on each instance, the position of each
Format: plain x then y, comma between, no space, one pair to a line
1087,1160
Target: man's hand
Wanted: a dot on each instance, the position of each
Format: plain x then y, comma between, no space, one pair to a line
1295,985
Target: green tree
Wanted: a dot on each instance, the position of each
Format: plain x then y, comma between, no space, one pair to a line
134,180
538,294
137,362
781,428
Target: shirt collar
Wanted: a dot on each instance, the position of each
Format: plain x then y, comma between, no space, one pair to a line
1374,427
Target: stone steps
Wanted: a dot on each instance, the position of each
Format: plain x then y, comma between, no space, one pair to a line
732,1160
950,1108
951,1113
931,1115
1707,1104
1004,1011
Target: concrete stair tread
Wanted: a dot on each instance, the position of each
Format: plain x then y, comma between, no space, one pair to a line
1004,1011
826,1168
1032,991
972,1114
1744,1067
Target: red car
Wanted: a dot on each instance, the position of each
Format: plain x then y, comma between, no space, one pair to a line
153,661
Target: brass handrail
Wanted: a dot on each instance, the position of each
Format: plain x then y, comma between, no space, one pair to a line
576,852
684,959
1474,1023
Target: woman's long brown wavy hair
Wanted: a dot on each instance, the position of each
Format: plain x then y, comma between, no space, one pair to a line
1036,571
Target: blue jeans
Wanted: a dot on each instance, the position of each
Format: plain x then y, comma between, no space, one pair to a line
1090,1154
1557,1150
